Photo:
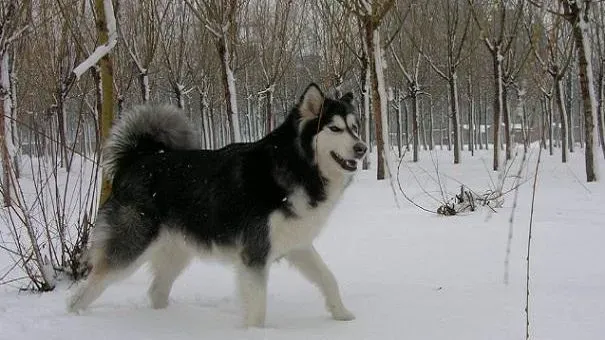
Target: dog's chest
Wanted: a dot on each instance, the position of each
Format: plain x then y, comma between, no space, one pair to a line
291,232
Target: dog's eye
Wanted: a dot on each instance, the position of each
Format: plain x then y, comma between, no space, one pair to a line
335,128
355,128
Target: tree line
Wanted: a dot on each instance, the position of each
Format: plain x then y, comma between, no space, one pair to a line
464,75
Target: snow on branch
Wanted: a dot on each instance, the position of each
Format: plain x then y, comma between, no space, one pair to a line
104,49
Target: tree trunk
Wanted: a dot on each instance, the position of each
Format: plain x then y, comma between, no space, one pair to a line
431,123
601,110
106,113
551,133
563,118
6,159
179,95
471,123
421,116
229,88
441,124
448,134
399,109
365,92
415,126
270,122
569,109
498,106
406,126
507,124
580,31
375,66
479,136
453,87
144,83
14,129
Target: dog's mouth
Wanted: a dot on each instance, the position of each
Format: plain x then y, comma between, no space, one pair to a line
347,164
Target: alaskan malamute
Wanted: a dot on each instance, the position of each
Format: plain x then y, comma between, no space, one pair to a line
248,203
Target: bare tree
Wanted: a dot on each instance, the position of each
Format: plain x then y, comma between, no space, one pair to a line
370,14
598,38
12,27
558,49
577,13
499,39
456,22
141,37
220,18
175,42
278,29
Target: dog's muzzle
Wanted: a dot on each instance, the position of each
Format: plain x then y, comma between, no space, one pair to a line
360,150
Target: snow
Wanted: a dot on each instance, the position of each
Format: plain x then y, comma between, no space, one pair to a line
102,50
404,273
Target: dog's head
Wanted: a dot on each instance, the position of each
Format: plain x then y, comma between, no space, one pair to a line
330,131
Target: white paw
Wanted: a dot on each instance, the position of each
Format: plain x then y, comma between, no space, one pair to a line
73,303
342,314
254,324
159,304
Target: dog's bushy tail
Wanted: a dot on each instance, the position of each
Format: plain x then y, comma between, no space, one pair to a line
144,130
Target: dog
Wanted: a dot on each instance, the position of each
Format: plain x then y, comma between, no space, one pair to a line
248,203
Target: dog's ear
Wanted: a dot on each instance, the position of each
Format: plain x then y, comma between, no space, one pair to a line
348,97
311,102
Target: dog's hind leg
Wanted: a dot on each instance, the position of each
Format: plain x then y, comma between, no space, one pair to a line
311,266
90,290
120,238
169,257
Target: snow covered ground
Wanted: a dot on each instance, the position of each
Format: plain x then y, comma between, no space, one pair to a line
406,274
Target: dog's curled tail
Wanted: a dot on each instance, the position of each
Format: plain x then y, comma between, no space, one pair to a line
144,130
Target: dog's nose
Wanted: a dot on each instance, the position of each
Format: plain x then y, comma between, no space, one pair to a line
360,149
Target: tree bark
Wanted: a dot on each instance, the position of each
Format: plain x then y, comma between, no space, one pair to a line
601,110
416,141
569,110
106,113
431,124
371,35
498,106
453,82
580,32
229,88
563,118
550,108
144,83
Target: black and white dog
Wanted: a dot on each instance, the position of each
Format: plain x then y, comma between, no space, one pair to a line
248,203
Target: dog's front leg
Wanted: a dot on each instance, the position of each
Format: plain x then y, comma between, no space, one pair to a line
252,282
311,266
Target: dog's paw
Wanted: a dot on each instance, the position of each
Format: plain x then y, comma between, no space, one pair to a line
342,314
73,304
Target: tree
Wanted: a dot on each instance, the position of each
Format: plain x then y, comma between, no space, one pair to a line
12,27
141,37
175,42
499,39
559,50
219,17
370,14
577,13
457,27
598,38
106,26
278,27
